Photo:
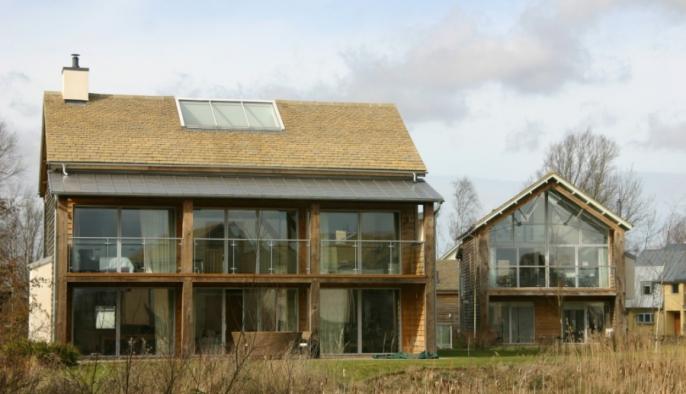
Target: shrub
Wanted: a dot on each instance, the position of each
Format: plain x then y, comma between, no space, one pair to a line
48,354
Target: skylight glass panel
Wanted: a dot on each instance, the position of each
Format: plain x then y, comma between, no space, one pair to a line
261,114
197,113
229,115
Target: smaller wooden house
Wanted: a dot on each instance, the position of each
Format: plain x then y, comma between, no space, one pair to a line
447,302
548,264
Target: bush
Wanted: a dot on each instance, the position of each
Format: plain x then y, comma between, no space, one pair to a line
48,354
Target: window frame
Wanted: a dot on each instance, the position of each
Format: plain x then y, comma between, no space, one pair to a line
226,240
675,288
647,285
450,331
277,114
359,240
645,318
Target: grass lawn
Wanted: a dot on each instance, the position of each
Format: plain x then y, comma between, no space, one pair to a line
359,369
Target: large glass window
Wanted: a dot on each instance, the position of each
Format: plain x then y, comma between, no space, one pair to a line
123,240
360,242
245,241
579,320
222,314
126,321
359,321
512,322
549,242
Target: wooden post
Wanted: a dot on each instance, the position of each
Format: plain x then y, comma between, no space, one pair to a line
617,254
314,286
429,225
61,261
186,321
187,238
314,239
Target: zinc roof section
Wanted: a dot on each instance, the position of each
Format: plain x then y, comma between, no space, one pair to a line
158,185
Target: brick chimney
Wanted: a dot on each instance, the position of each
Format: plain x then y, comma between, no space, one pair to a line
75,81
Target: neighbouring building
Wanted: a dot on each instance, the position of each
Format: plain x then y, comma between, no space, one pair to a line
673,284
644,291
447,302
548,264
183,225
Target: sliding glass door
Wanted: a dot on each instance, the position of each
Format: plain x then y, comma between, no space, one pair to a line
222,314
359,321
123,321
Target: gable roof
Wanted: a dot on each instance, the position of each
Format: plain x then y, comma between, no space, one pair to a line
672,257
146,130
533,188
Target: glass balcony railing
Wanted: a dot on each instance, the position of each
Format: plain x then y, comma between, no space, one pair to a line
367,257
242,256
100,254
550,276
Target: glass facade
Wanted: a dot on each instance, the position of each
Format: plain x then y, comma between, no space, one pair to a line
512,322
359,321
579,320
549,242
245,241
360,242
222,313
122,321
123,240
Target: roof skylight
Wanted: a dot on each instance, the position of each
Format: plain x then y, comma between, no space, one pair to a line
229,114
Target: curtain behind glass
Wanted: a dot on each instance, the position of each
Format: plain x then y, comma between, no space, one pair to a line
338,321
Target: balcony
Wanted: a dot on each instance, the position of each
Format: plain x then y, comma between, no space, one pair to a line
123,255
368,257
253,256
527,276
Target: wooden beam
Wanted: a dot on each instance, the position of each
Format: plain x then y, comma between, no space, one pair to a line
429,225
186,320
61,269
314,317
186,265
590,210
315,243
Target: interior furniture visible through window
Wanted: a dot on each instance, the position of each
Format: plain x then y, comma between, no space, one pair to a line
123,240
221,314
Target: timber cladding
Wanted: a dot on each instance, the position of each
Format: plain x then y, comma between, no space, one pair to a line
413,317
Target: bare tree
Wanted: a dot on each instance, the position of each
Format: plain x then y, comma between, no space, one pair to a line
587,160
466,207
674,227
9,161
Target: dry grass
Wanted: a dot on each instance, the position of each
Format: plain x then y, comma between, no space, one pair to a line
635,365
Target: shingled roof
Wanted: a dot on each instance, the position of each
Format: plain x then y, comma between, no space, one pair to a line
145,130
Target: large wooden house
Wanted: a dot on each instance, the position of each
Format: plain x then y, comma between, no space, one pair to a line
181,225
546,265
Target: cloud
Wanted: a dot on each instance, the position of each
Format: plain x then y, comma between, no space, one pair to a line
662,136
525,140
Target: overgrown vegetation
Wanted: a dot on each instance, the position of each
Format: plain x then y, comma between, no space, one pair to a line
604,366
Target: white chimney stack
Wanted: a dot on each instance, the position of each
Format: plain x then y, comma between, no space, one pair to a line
74,81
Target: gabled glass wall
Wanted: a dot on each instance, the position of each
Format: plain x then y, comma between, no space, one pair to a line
549,242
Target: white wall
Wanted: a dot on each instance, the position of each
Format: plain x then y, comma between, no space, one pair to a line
40,315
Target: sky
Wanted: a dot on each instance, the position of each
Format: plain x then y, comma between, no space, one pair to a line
484,87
